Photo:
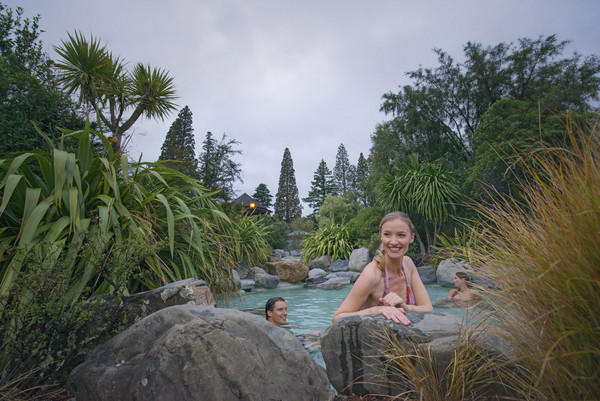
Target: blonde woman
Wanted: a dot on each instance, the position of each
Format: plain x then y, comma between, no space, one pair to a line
390,285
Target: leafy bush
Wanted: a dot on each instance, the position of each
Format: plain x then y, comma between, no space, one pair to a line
331,240
363,228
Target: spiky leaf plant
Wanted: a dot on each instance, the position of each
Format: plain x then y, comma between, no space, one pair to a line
331,240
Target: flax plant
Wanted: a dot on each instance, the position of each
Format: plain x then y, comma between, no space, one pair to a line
331,240
543,254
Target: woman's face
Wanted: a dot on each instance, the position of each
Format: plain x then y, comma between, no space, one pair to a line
458,281
395,238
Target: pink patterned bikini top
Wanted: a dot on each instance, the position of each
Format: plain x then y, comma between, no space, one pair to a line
410,296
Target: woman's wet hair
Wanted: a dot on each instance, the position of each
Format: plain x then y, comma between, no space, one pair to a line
463,275
379,257
271,305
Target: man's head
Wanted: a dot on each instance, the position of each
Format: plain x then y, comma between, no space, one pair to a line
276,311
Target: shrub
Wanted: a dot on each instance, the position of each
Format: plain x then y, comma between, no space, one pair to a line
331,240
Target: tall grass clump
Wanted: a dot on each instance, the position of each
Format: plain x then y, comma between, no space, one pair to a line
543,254
329,240
465,371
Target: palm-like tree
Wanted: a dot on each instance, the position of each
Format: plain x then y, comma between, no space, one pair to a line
426,191
102,81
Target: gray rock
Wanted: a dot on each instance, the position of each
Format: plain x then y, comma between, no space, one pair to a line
333,284
265,280
322,262
313,273
447,268
311,281
256,270
427,274
236,279
241,269
295,254
200,353
282,254
359,259
352,352
339,266
247,285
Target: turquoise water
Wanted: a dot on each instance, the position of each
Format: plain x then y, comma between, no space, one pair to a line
311,309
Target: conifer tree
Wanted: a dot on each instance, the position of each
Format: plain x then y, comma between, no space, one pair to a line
180,146
217,169
321,186
340,171
362,180
287,203
263,195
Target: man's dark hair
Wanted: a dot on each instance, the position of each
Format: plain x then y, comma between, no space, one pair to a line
271,304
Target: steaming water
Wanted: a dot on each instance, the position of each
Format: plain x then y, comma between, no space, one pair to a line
312,309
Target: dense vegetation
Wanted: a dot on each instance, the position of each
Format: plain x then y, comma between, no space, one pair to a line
78,219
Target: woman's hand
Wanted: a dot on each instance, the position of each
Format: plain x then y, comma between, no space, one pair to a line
451,294
393,299
394,313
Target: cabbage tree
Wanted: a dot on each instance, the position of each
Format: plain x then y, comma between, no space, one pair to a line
86,67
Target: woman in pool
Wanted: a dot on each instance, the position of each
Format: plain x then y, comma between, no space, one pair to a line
390,285
462,293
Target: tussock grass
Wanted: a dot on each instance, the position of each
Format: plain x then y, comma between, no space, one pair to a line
543,254
464,368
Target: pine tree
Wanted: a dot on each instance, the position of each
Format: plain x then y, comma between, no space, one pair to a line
179,145
340,171
217,169
287,203
263,195
321,186
365,195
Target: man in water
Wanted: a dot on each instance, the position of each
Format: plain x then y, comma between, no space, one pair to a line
276,311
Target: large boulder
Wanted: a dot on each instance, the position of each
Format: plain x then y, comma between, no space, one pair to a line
113,315
427,274
447,268
359,259
288,270
265,280
339,266
199,353
353,353
321,262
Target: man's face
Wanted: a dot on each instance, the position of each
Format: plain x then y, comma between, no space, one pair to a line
278,316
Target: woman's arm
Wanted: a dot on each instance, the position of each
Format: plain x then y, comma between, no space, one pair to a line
451,294
362,288
421,295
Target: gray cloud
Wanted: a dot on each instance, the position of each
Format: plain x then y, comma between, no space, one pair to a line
304,75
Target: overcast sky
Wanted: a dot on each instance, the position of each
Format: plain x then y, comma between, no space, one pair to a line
302,74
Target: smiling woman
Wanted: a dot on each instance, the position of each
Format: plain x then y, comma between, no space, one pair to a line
390,285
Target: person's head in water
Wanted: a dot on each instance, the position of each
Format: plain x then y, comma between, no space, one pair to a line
276,311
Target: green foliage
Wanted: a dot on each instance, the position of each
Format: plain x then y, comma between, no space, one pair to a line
332,240
42,330
423,190
276,231
364,228
287,202
28,89
336,210
543,256
86,204
263,195
217,169
440,115
321,186
179,148
102,81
